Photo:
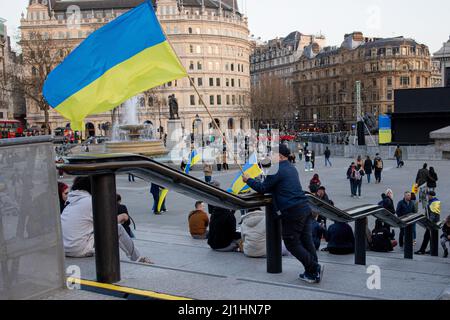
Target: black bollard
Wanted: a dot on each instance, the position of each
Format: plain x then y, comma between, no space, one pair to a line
273,241
408,254
360,242
104,205
434,243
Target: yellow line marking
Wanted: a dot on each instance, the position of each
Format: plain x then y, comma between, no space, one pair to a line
145,293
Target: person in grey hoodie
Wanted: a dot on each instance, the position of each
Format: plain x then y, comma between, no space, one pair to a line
78,225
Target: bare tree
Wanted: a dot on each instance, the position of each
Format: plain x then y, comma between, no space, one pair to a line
40,55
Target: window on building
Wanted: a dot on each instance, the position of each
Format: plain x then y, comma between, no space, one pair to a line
199,65
417,81
389,95
200,82
191,48
192,98
239,83
211,82
219,100
211,100
232,67
233,99
198,49
218,82
232,82
389,108
191,65
190,30
404,81
227,82
228,99
389,82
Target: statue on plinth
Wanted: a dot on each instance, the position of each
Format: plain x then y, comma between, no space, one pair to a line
173,108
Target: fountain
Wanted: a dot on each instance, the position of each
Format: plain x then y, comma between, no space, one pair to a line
131,137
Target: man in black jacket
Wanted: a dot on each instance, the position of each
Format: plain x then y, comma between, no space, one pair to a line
404,207
289,198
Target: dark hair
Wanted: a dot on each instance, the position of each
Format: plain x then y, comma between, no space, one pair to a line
82,183
61,188
432,170
425,165
321,188
118,197
198,203
313,188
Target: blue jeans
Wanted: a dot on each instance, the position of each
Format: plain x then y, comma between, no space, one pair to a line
327,160
358,185
308,165
208,179
353,187
398,161
368,177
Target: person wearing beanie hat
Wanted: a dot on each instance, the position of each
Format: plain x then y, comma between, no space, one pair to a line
290,199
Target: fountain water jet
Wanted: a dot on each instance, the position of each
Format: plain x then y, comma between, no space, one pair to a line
132,137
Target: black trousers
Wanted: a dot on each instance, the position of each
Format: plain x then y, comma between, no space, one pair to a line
297,236
378,175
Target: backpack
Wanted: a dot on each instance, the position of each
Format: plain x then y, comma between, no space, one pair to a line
379,164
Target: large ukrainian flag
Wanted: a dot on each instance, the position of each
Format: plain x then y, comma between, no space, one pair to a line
123,58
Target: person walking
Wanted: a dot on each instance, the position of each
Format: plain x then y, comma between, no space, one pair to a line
308,160
359,161
208,171
378,166
387,202
433,212
300,153
359,174
432,180
313,160
368,167
404,207
351,176
219,161
225,163
290,199
398,154
155,190
327,155
422,175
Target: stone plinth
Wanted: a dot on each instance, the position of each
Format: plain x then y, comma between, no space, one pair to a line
441,139
146,148
174,134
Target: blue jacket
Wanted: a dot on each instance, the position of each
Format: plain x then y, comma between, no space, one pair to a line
403,208
284,186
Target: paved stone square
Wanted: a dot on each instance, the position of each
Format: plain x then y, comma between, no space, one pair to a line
188,267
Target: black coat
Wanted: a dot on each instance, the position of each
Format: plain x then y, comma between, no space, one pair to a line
381,240
340,236
368,166
431,180
222,228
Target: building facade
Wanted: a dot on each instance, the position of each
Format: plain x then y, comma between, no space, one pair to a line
443,58
12,104
210,37
325,79
271,70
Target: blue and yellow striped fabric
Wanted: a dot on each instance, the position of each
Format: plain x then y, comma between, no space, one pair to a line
193,159
123,58
385,131
252,169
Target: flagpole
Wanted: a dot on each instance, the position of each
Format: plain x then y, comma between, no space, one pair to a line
214,121
200,97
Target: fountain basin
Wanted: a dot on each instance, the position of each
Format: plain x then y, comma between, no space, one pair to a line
145,148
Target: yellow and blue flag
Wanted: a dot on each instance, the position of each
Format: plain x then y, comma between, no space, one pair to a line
193,159
252,169
118,61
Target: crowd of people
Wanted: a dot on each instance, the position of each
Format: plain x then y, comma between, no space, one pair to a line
304,230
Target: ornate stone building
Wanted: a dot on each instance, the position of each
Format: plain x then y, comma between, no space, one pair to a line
12,104
442,57
325,78
209,36
271,69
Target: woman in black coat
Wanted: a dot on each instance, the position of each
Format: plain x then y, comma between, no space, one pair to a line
432,179
368,167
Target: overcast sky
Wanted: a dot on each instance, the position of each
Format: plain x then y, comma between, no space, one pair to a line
427,22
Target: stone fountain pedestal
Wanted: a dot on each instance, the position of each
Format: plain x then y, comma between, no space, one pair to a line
174,134
134,145
442,141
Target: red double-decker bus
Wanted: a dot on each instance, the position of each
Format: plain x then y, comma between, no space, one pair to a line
10,129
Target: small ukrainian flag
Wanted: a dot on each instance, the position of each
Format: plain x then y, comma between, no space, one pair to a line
125,57
252,169
193,159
